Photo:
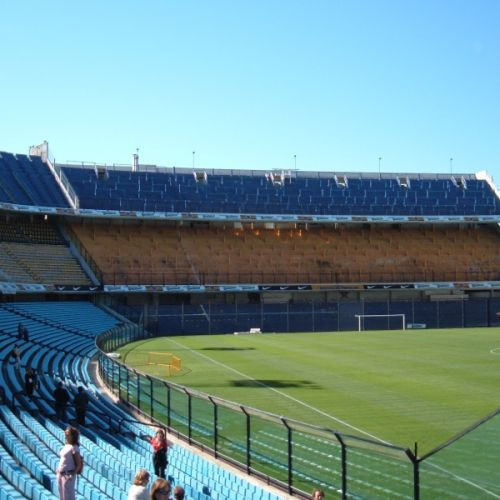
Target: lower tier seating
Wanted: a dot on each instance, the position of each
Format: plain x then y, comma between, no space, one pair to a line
59,347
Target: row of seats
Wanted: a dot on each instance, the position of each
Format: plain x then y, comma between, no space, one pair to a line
27,180
39,263
34,251
23,230
60,345
170,255
174,192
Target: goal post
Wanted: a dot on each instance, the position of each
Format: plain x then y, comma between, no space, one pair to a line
165,359
361,319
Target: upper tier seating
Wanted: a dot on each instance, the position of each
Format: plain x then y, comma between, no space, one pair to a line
168,255
254,194
26,180
60,346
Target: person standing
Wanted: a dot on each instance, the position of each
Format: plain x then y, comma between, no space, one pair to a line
70,465
16,356
61,397
81,402
30,382
159,444
26,334
20,331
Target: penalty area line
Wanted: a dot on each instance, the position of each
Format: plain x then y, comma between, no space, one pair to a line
298,401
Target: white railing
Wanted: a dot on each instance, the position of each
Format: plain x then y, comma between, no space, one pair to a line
483,175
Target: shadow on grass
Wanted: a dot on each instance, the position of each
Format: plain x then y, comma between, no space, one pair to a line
228,349
277,384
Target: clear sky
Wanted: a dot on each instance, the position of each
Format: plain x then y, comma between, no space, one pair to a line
250,84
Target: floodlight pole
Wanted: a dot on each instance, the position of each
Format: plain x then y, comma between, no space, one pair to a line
379,161
451,165
295,161
194,152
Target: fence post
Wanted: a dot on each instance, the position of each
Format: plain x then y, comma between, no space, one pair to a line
289,453
109,372
151,398
169,422
189,415
119,378
344,464
104,368
138,382
216,421
416,475
248,454
128,386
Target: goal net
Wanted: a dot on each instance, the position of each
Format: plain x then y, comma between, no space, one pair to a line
172,364
384,321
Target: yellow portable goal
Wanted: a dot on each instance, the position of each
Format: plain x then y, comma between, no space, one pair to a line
172,364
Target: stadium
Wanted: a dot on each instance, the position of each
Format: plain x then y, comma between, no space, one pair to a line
291,330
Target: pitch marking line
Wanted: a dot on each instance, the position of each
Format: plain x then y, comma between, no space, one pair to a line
460,478
495,351
298,401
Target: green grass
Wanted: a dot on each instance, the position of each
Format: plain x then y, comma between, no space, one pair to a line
402,387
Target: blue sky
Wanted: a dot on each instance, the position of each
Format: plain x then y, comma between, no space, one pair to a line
251,84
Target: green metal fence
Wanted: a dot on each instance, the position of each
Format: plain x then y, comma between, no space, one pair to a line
298,457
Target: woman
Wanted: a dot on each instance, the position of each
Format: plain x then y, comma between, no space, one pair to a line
318,494
160,490
159,444
70,464
139,489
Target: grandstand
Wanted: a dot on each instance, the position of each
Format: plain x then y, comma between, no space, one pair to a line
189,251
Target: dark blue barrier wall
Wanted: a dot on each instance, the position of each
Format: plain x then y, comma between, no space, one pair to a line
337,316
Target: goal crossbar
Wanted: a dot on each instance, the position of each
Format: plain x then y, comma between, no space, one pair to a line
362,316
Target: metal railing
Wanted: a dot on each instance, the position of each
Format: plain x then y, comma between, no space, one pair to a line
296,456
58,172
84,252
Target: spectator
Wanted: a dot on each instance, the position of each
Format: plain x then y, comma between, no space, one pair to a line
26,335
139,489
318,494
30,382
178,493
61,397
81,402
160,490
159,444
16,356
20,331
70,464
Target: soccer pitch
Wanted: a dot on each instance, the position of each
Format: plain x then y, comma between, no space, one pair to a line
400,387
